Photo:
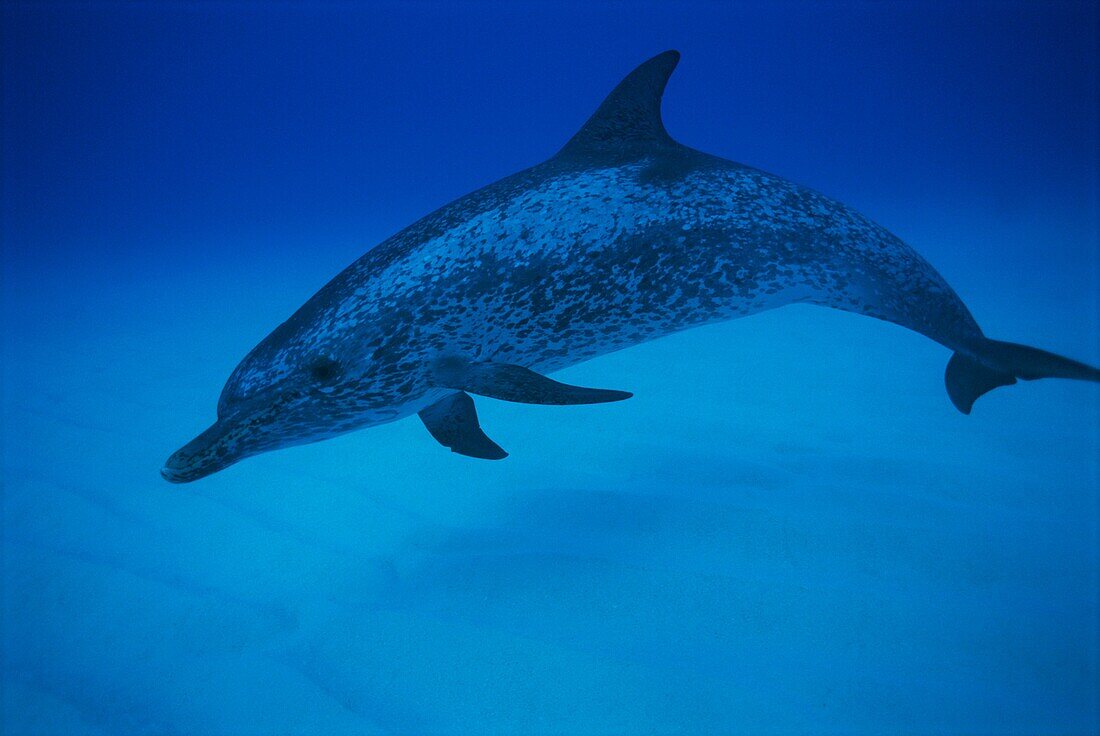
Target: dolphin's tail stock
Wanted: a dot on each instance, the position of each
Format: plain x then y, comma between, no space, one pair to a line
988,364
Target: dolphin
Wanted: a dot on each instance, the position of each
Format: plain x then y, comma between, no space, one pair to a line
623,236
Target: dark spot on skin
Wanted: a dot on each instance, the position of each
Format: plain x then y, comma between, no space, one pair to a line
324,370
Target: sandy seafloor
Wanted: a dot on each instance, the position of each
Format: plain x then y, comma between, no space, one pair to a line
789,527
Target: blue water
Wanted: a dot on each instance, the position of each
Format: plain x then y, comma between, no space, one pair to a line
788,529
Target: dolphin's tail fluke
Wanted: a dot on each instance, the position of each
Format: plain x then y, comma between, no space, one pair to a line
988,364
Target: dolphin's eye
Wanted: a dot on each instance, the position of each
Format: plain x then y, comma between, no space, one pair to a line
324,370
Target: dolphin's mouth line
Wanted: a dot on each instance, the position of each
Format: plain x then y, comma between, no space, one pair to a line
181,473
177,472
174,476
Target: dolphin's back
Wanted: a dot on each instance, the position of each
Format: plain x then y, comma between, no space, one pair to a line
788,243
661,237
677,239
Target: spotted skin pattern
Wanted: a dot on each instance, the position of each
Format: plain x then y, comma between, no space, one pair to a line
623,237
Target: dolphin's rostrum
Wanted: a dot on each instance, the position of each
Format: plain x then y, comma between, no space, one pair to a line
623,236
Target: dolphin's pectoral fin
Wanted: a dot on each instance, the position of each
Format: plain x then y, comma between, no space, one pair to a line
522,385
453,423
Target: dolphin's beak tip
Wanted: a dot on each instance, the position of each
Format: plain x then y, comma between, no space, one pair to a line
170,476
176,468
200,457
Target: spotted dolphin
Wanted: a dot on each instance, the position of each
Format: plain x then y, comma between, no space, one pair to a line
623,236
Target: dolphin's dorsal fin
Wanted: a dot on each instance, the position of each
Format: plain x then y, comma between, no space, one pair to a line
629,119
